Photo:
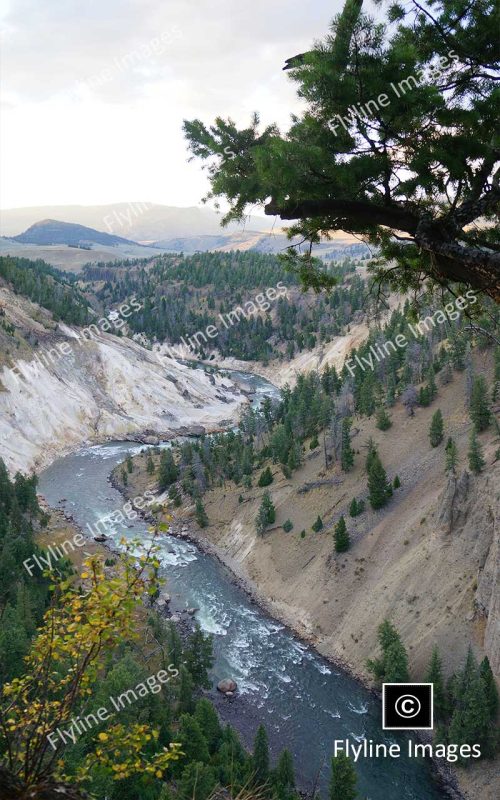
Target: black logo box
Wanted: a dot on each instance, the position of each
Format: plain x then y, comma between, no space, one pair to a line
407,706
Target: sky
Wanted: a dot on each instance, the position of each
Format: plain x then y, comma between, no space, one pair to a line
93,94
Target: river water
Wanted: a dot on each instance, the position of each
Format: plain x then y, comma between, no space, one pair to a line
304,701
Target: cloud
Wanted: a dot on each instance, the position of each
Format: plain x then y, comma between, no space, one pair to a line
95,92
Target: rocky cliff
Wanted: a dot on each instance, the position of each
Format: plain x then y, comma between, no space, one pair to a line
59,388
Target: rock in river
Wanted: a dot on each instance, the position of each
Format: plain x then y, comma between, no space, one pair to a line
227,686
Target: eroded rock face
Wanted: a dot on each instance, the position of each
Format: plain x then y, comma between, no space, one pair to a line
488,589
453,503
468,513
100,388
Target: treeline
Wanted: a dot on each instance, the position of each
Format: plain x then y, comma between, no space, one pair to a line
23,599
50,288
184,295
320,410
465,706
53,627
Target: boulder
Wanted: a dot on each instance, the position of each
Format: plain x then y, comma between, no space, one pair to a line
227,686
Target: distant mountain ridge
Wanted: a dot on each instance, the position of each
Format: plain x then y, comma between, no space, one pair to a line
139,221
53,232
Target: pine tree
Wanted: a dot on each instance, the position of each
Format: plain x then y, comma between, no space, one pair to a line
471,721
284,776
347,453
186,690
479,406
431,382
168,472
378,486
383,419
396,482
266,514
354,508
199,657
396,663
437,429
266,477
201,514
434,675
130,464
208,720
193,742
392,666
317,524
489,688
476,460
342,540
260,760
343,779
451,456
197,782
150,465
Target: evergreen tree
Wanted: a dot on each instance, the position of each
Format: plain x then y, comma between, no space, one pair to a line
396,663
451,456
343,779
383,419
168,472
208,720
489,688
379,488
150,465
392,666
356,507
342,540
266,514
396,482
192,740
479,405
471,722
437,429
266,477
186,691
174,645
199,657
347,453
197,782
201,514
260,760
434,675
475,454
317,524
333,77
130,464
285,776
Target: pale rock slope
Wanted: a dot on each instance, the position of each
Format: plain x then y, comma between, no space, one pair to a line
108,387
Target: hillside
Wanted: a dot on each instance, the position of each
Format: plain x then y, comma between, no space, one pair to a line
140,221
51,231
428,561
70,386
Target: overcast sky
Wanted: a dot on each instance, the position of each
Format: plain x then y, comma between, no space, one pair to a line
94,93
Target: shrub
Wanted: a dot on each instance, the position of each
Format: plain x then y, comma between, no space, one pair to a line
318,525
266,477
287,526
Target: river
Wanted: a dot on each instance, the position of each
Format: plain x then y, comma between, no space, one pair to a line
303,700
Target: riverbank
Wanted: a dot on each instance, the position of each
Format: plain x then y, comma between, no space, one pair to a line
182,527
